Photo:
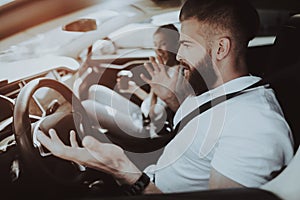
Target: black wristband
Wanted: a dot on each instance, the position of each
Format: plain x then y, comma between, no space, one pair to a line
138,187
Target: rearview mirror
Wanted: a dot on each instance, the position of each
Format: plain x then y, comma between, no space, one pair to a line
81,25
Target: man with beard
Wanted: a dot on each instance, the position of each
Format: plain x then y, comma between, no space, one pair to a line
237,143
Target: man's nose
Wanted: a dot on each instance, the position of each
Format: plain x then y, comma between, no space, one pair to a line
178,56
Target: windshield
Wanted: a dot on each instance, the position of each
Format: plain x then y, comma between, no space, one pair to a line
50,41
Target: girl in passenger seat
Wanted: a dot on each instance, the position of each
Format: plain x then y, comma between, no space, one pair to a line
116,113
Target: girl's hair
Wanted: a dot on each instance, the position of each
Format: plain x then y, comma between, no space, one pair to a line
172,32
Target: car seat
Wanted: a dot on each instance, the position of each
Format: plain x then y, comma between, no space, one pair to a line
285,184
283,73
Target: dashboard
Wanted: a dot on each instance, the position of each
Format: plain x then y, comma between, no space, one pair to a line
44,101
17,74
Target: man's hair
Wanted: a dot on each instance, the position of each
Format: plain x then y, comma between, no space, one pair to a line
236,17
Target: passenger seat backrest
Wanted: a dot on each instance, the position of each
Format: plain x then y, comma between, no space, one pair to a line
286,185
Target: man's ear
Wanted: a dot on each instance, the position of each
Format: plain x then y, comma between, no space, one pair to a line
223,48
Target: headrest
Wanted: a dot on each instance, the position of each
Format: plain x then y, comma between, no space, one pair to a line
295,21
285,51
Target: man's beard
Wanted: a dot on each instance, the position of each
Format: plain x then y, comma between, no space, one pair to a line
202,76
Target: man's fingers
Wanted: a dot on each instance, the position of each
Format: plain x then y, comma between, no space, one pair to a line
154,64
57,147
160,60
149,68
176,72
160,66
73,139
54,137
45,140
144,78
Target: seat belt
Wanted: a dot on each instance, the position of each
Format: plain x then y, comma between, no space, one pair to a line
206,106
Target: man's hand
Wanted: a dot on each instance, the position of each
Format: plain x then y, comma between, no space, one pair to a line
161,83
219,181
105,157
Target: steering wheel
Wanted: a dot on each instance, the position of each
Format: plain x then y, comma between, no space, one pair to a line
58,170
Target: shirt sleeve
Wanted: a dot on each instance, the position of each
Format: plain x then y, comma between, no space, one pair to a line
150,171
251,148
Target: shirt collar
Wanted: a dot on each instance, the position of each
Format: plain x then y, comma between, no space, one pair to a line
192,102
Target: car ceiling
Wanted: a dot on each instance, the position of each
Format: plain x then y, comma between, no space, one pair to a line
33,13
